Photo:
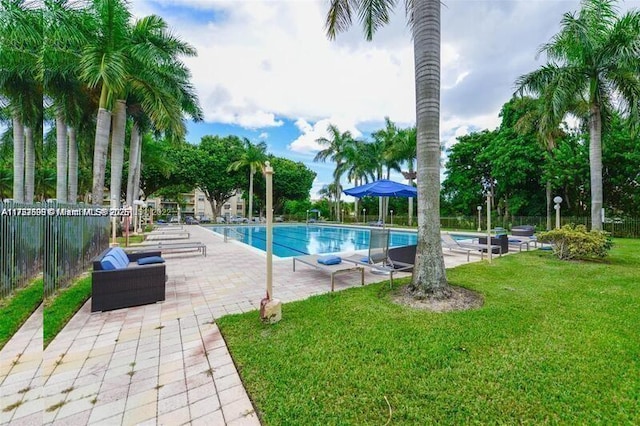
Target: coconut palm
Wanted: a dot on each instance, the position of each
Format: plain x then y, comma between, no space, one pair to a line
253,158
594,58
334,150
403,149
429,279
357,166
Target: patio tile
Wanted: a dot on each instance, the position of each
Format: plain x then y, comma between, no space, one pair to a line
175,417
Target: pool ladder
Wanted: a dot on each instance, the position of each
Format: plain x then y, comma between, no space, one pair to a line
227,236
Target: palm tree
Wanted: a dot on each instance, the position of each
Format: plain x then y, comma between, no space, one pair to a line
20,88
429,279
357,164
404,150
335,149
593,58
252,158
104,65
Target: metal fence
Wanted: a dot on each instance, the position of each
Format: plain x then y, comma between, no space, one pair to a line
38,238
21,242
618,227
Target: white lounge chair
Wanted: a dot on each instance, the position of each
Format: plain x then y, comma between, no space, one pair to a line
378,258
453,245
312,260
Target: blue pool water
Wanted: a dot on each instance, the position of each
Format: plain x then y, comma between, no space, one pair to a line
294,240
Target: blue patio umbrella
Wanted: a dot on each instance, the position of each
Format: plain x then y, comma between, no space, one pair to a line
382,188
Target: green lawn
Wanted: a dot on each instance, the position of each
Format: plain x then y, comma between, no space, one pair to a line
59,309
15,310
555,342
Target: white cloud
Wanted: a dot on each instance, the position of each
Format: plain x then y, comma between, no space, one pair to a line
263,135
306,143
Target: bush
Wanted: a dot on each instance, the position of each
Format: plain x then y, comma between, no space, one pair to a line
575,242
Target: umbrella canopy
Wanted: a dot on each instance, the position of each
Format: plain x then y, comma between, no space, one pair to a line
382,188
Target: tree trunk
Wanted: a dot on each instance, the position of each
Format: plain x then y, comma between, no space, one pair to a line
30,166
117,152
136,176
103,127
134,147
549,208
61,157
429,278
595,166
250,213
18,160
72,196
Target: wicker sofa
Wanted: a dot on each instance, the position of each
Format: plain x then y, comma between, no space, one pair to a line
127,286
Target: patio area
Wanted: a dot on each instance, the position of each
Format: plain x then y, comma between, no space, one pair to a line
165,363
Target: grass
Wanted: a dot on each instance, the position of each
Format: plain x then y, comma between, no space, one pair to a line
61,308
555,342
133,239
15,310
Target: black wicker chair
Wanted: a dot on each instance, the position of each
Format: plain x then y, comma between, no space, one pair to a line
499,240
131,286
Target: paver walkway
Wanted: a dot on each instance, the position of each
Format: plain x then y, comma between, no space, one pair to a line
167,363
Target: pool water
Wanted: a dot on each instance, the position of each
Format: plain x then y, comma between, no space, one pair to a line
294,240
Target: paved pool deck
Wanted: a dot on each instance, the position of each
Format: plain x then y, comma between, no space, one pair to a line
160,364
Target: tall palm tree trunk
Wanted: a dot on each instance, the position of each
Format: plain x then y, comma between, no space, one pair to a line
595,166
117,151
250,212
30,166
18,160
134,147
61,157
103,127
429,278
72,195
136,179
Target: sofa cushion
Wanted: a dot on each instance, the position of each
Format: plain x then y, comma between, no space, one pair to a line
150,260
120,255
329,260
111,262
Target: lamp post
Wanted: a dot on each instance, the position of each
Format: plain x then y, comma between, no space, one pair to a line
557,200
342,216
270,308
307,217
391,217
479,218
137,221
364,215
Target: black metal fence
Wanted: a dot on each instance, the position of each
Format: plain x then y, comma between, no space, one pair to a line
618,227
21,246
57,240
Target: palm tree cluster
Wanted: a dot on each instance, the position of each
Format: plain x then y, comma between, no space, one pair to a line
364,161
593,68
96,74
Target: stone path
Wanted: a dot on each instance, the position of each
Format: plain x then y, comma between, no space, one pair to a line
161,364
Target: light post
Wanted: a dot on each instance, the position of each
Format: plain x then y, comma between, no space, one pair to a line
307,217
479,218
364,215
137,221
270,308
342,216
557,200
391,217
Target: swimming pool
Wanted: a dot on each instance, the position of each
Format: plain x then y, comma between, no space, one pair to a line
296,240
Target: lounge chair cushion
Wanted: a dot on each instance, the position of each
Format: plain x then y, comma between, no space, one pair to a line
329,260
111,263
150,260
119,254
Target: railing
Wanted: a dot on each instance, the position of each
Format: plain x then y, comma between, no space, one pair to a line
38,238
231,234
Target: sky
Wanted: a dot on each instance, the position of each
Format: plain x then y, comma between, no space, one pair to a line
265,69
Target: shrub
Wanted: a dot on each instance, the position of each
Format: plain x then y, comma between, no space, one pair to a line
575,242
